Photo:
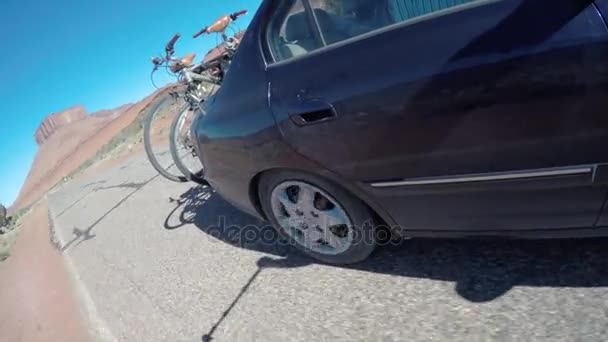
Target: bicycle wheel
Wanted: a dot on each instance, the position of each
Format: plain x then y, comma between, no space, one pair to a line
156,137
182,148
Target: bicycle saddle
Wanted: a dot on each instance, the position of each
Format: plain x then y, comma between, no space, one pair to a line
184,62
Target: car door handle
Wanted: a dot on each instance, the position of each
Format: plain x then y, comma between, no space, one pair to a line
312,112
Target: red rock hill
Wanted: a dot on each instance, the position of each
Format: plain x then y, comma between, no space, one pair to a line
56,120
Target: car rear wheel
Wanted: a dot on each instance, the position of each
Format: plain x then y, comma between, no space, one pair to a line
318,217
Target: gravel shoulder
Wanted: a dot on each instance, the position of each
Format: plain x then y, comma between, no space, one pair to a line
37,301
7,240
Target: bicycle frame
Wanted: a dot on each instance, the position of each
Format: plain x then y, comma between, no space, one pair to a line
200,81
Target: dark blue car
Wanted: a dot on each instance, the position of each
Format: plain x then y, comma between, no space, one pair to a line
433,118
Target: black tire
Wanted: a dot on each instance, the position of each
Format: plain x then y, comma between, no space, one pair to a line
197,176
361,216
148,144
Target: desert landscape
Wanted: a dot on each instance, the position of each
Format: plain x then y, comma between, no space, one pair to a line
72,140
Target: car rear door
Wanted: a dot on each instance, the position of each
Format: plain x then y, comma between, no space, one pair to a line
601,175
462,115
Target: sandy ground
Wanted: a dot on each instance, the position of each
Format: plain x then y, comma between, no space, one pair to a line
37,301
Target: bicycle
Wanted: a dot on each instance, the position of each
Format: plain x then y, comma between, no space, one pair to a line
199,81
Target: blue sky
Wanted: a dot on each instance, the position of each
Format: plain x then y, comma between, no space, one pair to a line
58,53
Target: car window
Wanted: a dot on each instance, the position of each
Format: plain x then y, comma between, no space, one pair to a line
290,33
342,19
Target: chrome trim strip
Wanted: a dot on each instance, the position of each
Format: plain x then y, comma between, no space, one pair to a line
489,177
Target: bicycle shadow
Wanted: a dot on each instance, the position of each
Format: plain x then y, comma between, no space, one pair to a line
211,214
79,235
481,269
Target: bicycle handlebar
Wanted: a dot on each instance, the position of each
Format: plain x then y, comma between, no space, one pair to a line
169,48
200,32
221,23
236,15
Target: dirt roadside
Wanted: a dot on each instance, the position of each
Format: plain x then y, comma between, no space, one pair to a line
37,301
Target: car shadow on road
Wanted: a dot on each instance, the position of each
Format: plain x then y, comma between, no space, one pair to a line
482,269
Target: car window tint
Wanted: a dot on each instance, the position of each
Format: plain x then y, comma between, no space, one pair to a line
342,19
290,33
407,9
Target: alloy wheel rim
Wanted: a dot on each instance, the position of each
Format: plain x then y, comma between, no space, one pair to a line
312,218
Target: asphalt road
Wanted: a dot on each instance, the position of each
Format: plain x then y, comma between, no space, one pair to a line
161,261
